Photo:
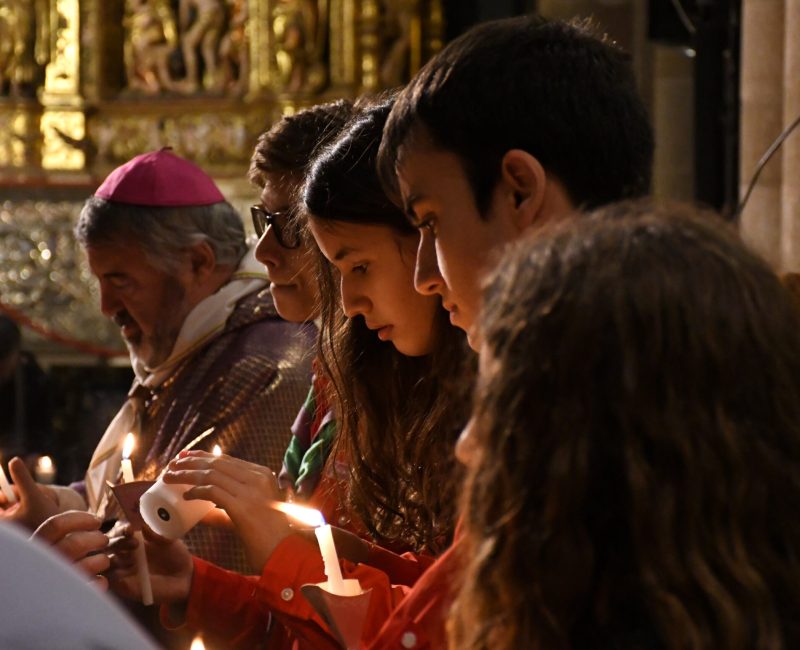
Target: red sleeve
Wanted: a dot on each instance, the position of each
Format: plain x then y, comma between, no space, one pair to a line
223,605
419,621
235,609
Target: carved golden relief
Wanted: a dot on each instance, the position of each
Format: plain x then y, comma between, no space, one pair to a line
396,37
24,45
116,77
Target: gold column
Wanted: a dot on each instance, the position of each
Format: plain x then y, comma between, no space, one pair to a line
370,42
259,32
63,122
343,58
761,92
435,39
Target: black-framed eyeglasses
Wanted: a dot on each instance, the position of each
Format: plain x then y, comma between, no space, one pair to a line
284,225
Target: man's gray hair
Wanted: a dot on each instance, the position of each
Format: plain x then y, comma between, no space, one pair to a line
164,233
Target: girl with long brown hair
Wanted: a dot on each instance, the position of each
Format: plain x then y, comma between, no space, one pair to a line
634,455
394,359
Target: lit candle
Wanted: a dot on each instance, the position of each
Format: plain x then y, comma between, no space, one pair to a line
197,644
310,517
127,466
6,488
141,553
45,470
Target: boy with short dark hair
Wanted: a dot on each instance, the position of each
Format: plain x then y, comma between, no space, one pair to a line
513,124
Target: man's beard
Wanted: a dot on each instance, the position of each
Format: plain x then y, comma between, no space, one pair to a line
156,348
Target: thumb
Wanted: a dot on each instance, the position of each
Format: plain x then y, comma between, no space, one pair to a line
23,480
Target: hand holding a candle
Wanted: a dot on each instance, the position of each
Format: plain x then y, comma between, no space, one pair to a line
169,564
35,502
244,490
76,535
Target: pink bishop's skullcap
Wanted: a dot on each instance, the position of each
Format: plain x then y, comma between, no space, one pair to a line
159,179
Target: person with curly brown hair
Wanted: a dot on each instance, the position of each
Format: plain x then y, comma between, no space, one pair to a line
634,452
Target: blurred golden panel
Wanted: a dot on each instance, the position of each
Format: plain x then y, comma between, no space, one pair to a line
63,133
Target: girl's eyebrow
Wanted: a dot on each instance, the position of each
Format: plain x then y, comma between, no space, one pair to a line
343,252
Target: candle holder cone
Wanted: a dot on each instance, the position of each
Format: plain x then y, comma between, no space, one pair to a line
345,615
127,496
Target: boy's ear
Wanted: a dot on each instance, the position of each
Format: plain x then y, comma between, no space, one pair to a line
525,180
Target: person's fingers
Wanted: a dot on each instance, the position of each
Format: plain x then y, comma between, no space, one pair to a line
94,564
26,486
217,518
122,562
207,478
221,497
80,544
155,538
124,584
233,467
58,526
122,544
101,582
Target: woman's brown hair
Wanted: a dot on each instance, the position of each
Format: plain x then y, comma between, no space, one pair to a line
636,482
398,416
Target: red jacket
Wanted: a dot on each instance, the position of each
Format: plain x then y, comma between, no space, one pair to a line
408,604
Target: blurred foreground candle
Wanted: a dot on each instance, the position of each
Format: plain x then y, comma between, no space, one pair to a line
45,470
335,584
141,552
11,497
197,644
167,513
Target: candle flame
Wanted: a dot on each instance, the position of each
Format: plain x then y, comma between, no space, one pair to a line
44,464
217,451
198,644
307,516
130,443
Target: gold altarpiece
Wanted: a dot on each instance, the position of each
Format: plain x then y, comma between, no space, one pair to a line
87,84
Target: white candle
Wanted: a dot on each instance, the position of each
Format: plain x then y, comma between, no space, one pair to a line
141,553
331,559
310,517
167,513
6,488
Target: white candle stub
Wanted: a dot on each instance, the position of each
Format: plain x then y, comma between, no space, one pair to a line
11,497
141,552
167,513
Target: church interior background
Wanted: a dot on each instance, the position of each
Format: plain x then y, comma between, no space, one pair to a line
87,84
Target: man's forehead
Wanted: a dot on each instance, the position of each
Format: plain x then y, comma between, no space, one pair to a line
115,256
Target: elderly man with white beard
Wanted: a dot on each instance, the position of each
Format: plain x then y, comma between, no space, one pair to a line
207,347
